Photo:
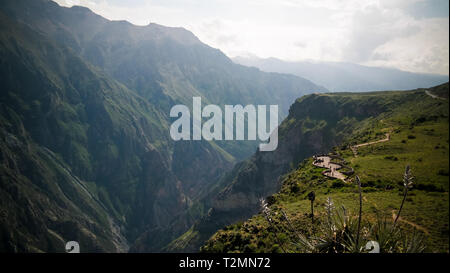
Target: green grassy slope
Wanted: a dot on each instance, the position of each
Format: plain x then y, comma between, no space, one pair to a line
418,126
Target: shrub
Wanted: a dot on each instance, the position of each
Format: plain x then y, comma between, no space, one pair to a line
337,184
250,248
369,183
429,187
270,200
295,188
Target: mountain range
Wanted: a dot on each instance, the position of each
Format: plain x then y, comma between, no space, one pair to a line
85,147
86,150
347,77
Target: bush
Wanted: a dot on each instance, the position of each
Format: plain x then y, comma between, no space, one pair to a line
276,249
337,184
429,187
270,200
368,183
411,137
251,248
295,188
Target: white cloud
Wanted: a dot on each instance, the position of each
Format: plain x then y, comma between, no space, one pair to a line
373,27
425,51
373,32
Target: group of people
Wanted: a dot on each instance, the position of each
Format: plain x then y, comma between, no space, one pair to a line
316,160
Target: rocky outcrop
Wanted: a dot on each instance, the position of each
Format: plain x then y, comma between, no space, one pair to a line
315,124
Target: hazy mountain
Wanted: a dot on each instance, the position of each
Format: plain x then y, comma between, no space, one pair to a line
347,77
85,148
162,64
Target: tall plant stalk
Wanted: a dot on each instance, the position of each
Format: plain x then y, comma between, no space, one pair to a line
360,211
268,215
312,197
407,184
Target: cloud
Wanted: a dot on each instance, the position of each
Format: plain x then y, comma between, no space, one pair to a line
428,9
373,27
217,32
406,34
301,44
425,51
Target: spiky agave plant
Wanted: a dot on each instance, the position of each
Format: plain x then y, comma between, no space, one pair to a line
301,242
385,234
414,244
391,239
338,232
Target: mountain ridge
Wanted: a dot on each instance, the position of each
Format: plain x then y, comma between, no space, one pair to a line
95,106
347,77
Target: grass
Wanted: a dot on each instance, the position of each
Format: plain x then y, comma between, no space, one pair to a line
428,151
419,137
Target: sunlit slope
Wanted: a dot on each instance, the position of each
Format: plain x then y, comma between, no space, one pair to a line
418,127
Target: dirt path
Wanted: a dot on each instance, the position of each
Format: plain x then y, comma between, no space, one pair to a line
355,147
433,96
410,223
325,162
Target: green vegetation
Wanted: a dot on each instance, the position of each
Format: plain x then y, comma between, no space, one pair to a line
425,213
84,128
85,152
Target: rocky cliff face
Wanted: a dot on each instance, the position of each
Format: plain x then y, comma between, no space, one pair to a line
389,130
73,127
89,99
315,124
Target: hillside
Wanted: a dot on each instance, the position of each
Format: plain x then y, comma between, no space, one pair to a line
165,65
417,125
347,77
85,149
64,126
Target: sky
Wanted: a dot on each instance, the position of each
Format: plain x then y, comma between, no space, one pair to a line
411,35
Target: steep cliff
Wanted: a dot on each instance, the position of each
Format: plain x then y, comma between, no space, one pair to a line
92,97
316,123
